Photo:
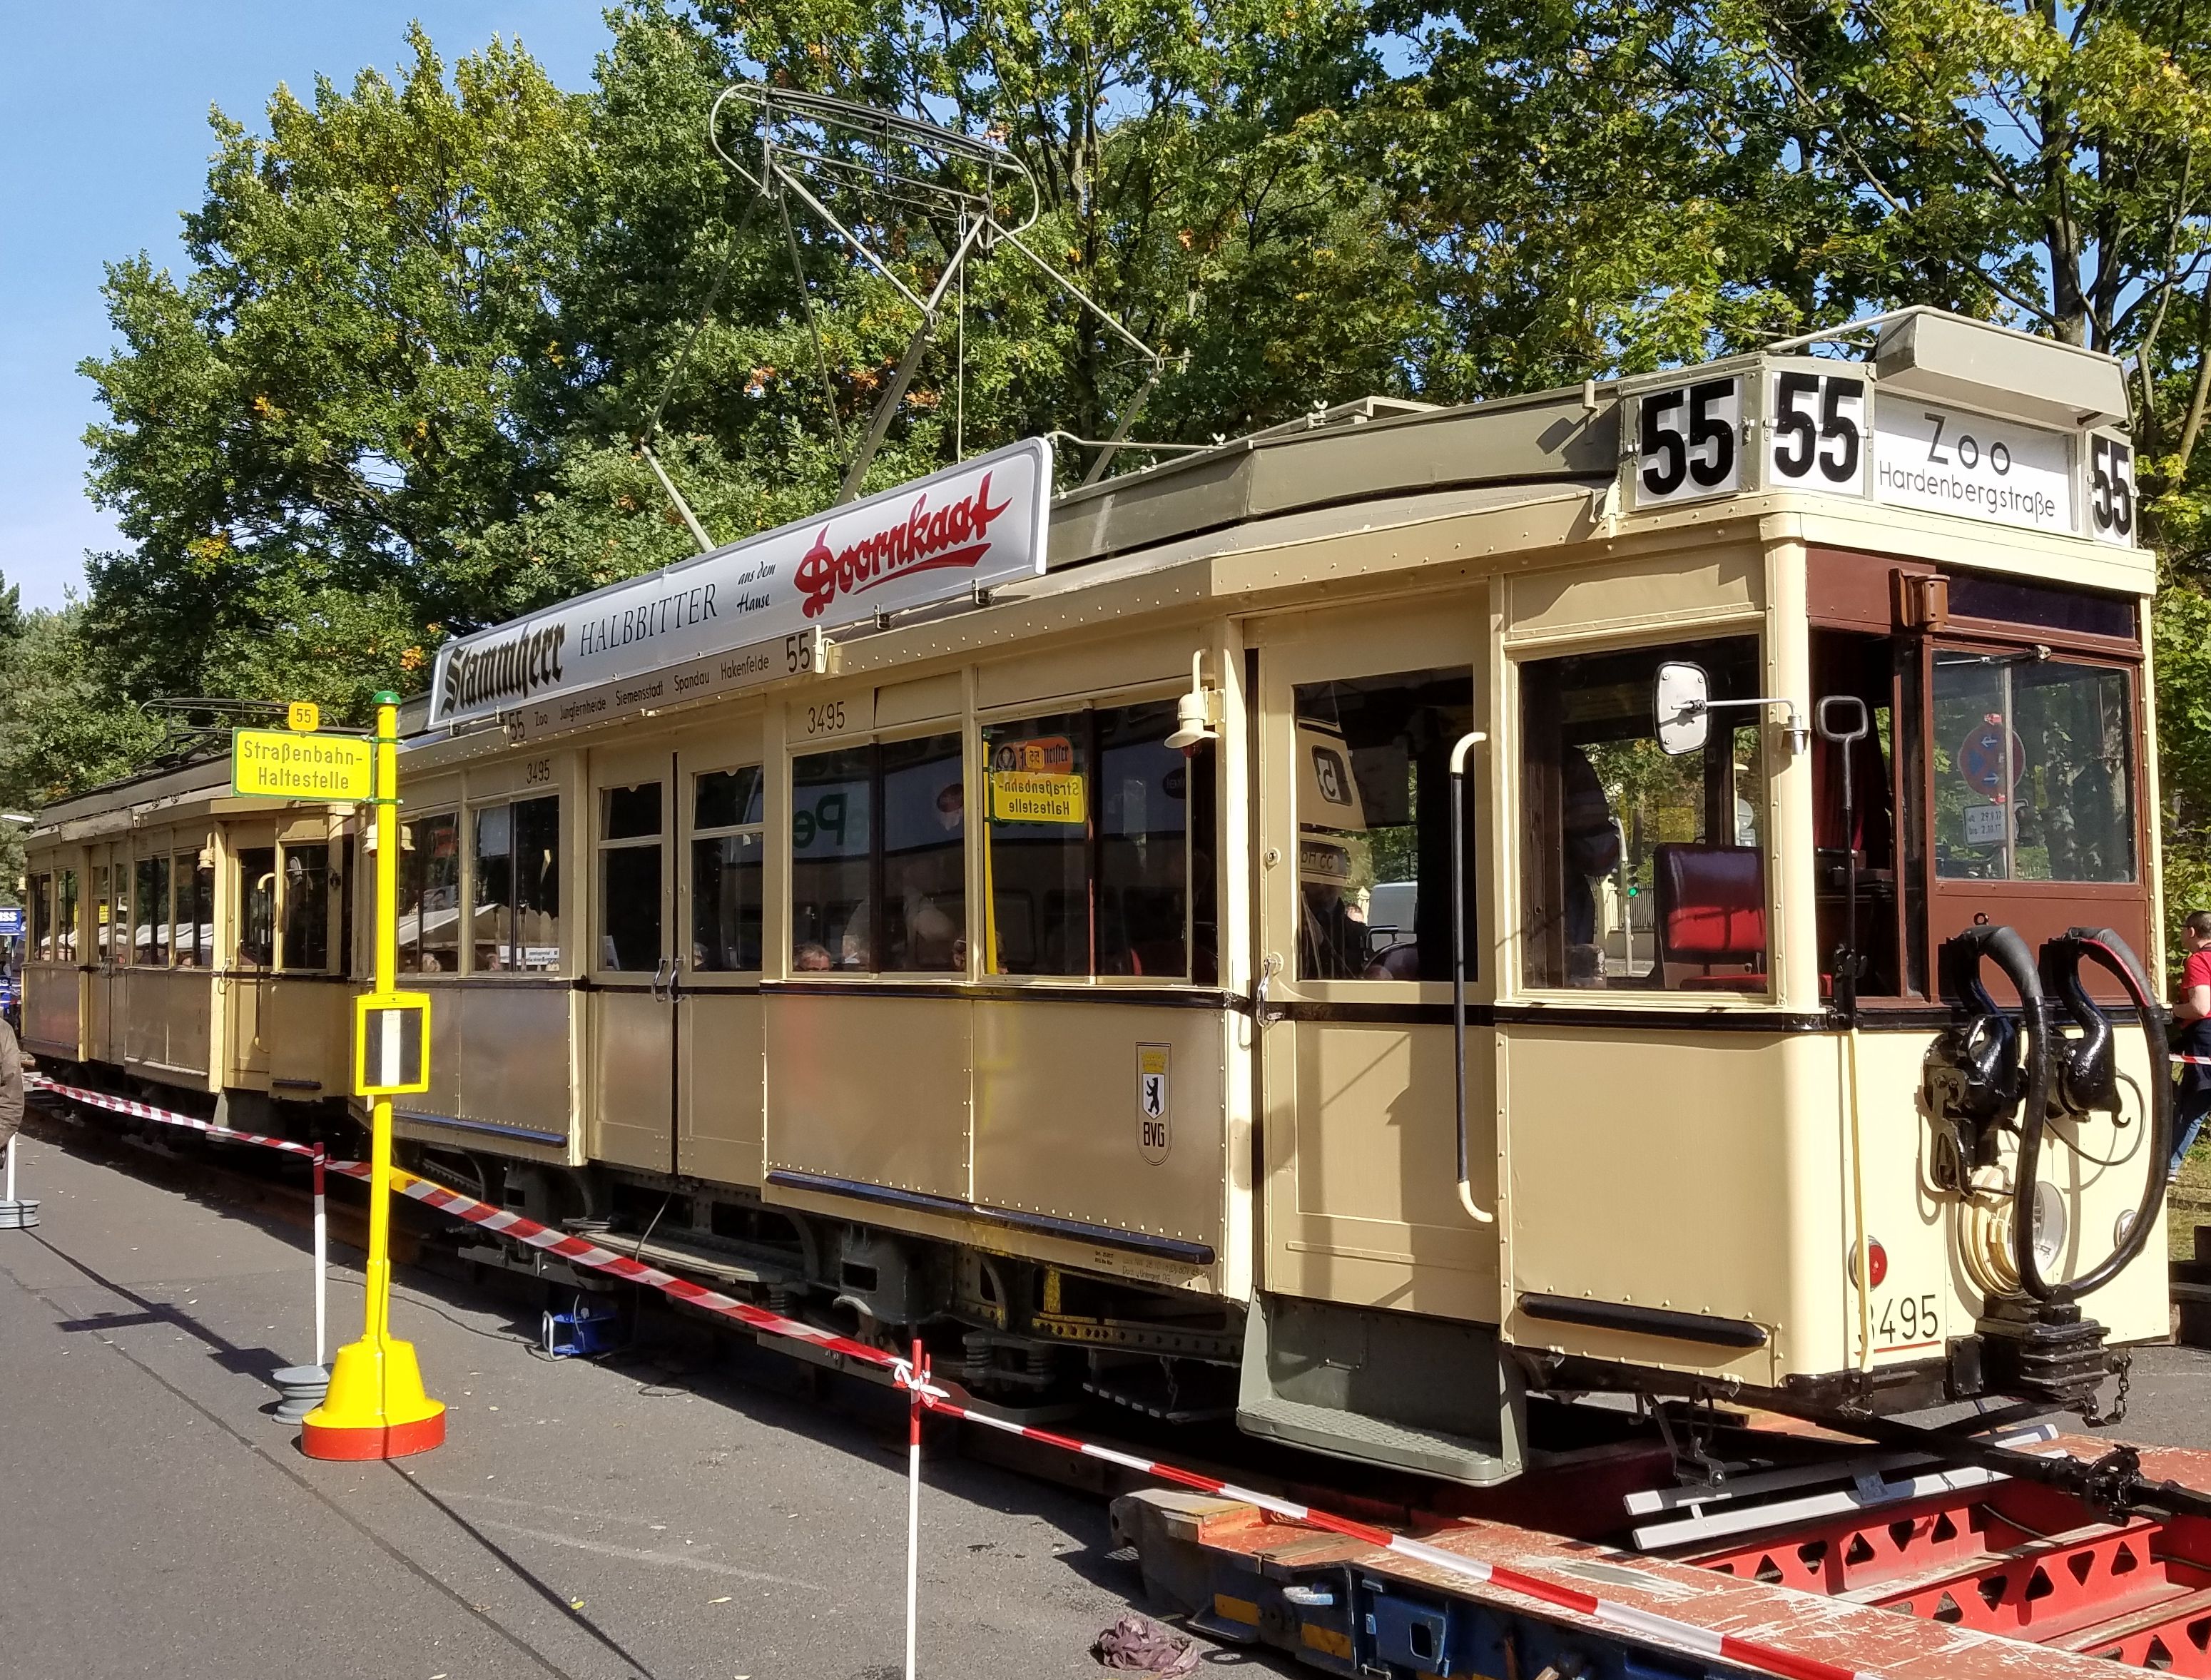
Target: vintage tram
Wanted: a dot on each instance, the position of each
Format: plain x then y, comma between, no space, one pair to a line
1042,919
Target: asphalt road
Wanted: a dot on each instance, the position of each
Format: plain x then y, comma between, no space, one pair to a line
583,1521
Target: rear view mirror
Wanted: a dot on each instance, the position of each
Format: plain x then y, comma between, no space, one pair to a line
1682,707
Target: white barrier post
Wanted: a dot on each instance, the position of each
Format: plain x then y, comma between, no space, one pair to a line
16,1216
322,1261
304,1386
920,1370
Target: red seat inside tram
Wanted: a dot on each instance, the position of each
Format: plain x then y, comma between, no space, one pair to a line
1712,914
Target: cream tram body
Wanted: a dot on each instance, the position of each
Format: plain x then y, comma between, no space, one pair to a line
932,984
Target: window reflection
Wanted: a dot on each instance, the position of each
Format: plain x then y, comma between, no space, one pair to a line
430,896
1374,809
516,912
306,947
257,907
832,799
630,878
2033,770
727,851
1642,869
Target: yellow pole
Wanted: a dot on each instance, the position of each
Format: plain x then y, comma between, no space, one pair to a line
377,1407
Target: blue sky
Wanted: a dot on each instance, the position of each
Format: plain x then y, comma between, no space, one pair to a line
104,143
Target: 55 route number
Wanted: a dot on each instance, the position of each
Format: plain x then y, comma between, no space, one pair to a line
2112,489
1686,442
1819,429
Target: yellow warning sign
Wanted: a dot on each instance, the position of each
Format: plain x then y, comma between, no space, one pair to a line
271,764
1034,796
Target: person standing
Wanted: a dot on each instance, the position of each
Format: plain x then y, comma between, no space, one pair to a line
2191,1015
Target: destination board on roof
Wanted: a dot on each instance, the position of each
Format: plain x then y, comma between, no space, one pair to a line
1829,427
1948,460
980,524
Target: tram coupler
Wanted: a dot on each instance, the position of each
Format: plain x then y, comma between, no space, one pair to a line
2044,1351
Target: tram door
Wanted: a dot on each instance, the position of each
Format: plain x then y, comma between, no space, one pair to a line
101,951
632,934
1358,714
721,811
246,955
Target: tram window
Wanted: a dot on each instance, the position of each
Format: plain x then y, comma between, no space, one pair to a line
517,895
1372,794
430,896
305,947
2033,770
878,850
102,944
727,851
1091,835
923,846
65,916
39,890
149,933
257,907
629,877
832,826
193,883
1038,835
1642,870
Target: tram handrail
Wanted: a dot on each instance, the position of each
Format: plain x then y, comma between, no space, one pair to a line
1465,744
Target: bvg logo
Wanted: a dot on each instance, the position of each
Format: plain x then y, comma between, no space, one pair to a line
1155,1102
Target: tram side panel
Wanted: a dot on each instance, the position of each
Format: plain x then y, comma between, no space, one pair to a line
1110,1114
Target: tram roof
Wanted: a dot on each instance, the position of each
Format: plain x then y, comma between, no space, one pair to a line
1329,469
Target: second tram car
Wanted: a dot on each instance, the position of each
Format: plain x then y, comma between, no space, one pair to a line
1048,935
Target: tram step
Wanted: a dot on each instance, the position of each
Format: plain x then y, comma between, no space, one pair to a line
1351,1434
1427,1395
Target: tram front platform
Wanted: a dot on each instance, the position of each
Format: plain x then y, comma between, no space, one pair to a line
641,1517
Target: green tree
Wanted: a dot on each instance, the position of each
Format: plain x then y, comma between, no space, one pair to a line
299,427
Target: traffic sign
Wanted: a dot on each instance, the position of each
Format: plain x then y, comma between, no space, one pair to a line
1981,757
274,763
303,716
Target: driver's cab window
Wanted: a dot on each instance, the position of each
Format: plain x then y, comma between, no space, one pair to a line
1644,867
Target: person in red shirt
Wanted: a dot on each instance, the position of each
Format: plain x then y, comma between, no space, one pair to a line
2191,1017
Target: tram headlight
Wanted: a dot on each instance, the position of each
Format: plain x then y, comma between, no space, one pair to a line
2049,1224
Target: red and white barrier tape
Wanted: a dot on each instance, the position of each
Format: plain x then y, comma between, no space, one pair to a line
579,1251
123,1105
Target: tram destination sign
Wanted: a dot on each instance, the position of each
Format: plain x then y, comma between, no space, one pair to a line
275,764
980,523
1828,427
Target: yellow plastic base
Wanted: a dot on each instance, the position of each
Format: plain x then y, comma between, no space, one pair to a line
375,1408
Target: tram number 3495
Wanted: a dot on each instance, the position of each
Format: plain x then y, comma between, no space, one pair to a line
1907,1321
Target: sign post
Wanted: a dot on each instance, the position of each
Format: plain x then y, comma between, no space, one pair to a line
377,1407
